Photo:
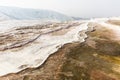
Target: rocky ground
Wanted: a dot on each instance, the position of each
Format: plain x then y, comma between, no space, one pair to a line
98,58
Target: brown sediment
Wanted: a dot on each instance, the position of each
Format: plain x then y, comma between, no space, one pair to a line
23,36
65,30
98,58
61,32
114,22
48,71
103,32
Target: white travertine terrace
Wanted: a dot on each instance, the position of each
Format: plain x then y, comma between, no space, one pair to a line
34,54
38,51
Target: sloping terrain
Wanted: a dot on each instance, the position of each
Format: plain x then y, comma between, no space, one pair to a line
15,13
96,58
30,46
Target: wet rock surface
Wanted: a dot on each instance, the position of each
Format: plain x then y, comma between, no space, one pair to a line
98,58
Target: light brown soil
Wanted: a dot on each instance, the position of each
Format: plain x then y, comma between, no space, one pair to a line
115,22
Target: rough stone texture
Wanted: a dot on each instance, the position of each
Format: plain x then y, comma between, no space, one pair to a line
98,58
